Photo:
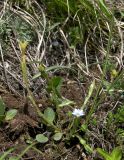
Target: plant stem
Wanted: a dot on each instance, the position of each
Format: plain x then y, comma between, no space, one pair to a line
30,95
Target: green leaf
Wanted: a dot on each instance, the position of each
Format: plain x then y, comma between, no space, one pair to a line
49,114
48,69
36,76
84,127
55,83
41,138
116,154
104,9
66,102
2,109
104,154
13,158
57,136
6,154
10,114
88,5
86,146
91,88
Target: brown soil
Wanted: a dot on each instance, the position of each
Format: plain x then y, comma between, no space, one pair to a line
26,124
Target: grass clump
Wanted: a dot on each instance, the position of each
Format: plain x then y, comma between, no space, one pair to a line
68,69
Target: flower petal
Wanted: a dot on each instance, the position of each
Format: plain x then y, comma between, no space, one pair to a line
78,112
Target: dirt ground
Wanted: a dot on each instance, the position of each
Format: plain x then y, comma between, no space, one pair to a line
26,125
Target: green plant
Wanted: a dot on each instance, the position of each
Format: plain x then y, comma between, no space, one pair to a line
89,30
23,46
53,85
114,123
2,110
116,154
79,17
53,88
10,114
119,116
4,155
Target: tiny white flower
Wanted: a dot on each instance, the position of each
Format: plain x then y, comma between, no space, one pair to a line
78,112
7,66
